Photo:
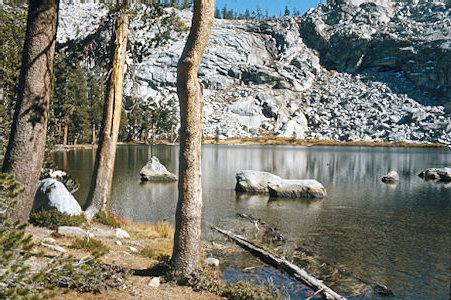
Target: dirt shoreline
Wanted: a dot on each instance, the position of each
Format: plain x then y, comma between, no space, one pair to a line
272,141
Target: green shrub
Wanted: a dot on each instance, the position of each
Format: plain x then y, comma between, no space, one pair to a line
86,276
97,248
53,219
15,277
105,218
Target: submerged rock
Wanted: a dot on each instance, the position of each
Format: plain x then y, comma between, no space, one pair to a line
254,181
155,171
52,194
305,188
391,177
436,174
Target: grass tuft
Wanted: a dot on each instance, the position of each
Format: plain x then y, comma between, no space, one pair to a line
147,231
95,247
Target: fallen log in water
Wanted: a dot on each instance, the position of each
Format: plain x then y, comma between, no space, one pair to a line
278,262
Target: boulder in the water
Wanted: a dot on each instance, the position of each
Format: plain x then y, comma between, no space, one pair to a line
52,194
436,174
155,171
251,181
304,188
391,177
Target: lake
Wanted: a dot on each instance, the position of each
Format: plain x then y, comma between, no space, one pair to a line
399,235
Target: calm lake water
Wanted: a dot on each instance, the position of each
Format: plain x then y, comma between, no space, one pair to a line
399,236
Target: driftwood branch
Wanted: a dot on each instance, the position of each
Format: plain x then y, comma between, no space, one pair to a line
278,262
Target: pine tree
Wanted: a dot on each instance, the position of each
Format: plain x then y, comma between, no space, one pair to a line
217,13
259,13
70,100
286,12
247,14
12,36
224,12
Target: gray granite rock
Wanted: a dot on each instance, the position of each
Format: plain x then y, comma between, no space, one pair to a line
72,231
153,170
392,82
391,177
251,181
52,194
305,188
436,174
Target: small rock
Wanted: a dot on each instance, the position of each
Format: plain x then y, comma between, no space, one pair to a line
125,253
53,247
132,249
155,282
121,233
383,290
211,261
391,177
119,243
72,231
48,240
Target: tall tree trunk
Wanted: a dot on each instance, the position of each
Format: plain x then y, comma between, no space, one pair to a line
99,192
185,258
26,147
93,134
65,133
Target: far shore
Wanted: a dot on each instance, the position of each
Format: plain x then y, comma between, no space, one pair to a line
270,141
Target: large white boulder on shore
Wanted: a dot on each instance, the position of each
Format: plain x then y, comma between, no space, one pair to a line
437,174
52,194
251,181
304,188
155,171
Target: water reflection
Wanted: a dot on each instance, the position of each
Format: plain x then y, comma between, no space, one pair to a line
394,235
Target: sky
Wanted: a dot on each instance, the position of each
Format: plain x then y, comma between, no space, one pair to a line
275,7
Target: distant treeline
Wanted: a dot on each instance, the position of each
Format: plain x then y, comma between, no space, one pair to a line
257,14
224,13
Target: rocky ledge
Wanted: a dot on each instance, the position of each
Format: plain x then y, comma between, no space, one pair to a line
348,70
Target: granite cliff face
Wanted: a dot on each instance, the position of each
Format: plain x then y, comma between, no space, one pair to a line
339,72
414,39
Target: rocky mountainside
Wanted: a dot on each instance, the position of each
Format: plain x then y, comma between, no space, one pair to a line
345,72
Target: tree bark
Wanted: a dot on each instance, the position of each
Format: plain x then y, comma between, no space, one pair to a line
25,152
185,258
102,177
93,134
65,133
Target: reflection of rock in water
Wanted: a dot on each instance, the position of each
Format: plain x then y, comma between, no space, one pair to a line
247,201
